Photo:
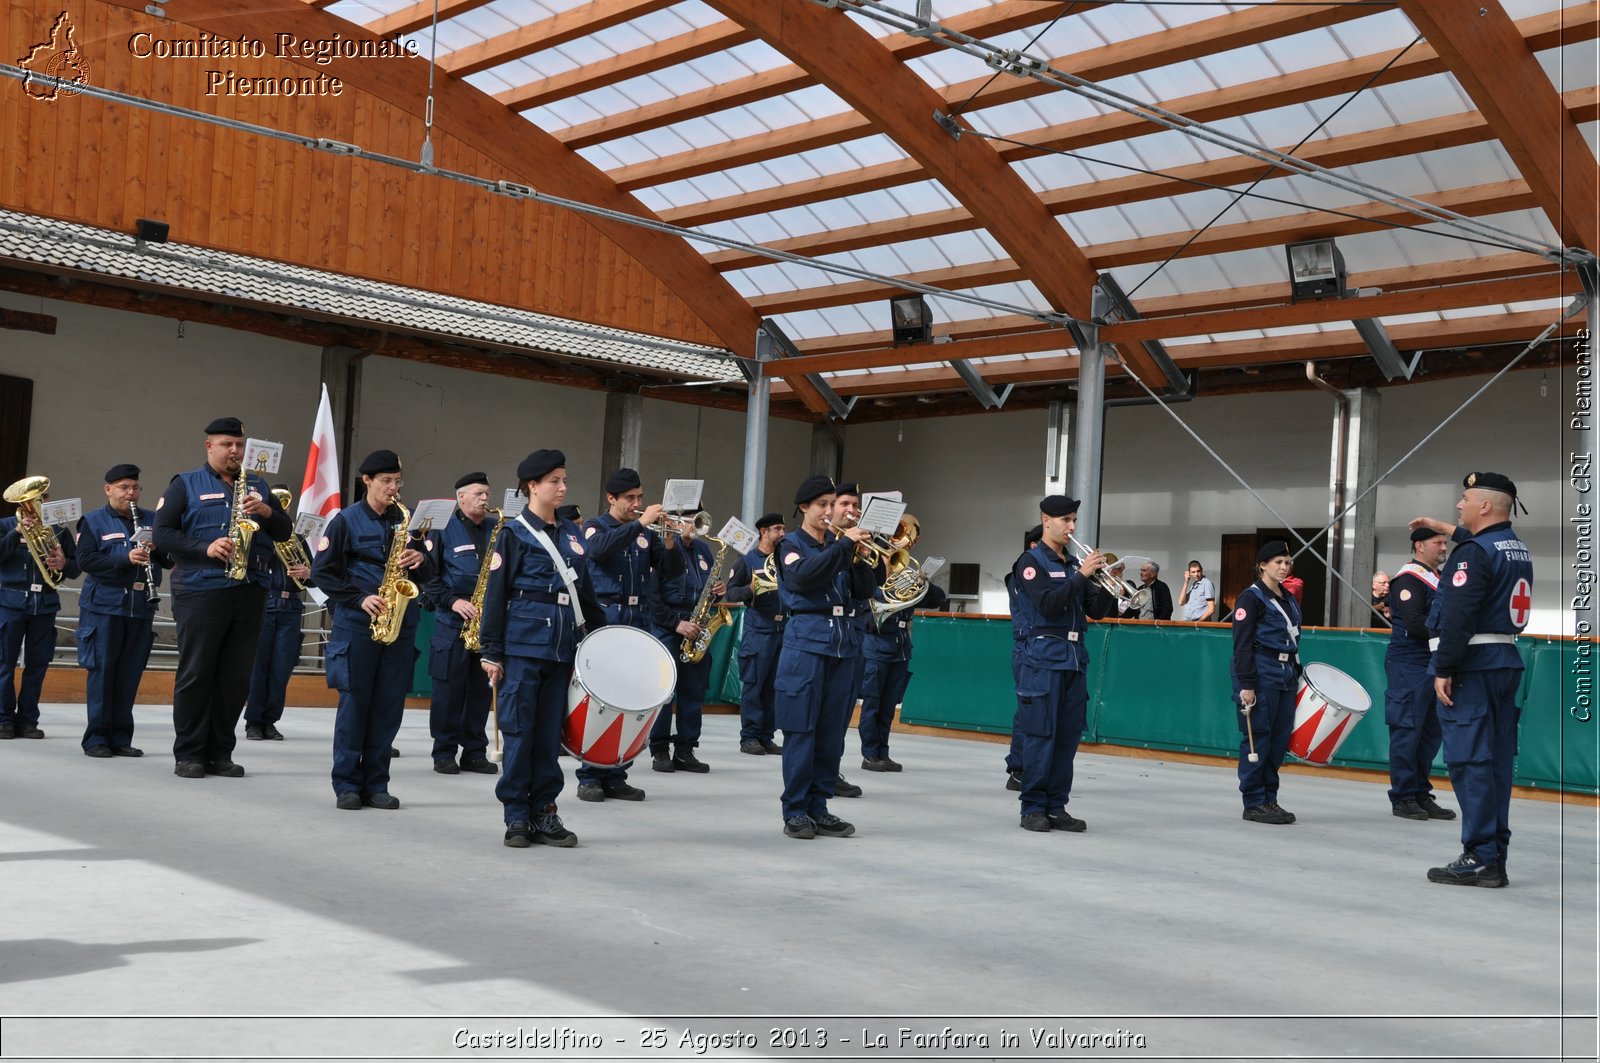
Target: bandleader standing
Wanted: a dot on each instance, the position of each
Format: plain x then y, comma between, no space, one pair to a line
278,650
116,612
1266,671
459,714
539,599
1409,704
360,564
759,640
1485,600
199,522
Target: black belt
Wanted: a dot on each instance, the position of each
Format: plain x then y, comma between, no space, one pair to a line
536,596
829,611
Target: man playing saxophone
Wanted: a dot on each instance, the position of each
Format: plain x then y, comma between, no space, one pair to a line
454,590
278,651
371,651
219,592
755,585
680,616
28,607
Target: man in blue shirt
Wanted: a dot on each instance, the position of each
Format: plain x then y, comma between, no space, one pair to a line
1198,600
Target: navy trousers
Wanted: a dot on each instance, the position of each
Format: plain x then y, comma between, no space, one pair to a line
1272,723
112,651
277,652
533,706
1480,744
812,702
372,680
459,714
757,669
1414,735
693,682
883,686
1014,754
1052,709
34,636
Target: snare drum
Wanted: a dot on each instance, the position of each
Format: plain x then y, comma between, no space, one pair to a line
1327,708
621,677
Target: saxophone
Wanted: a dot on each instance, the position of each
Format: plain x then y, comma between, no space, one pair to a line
395,590
240,528
472,630
707,615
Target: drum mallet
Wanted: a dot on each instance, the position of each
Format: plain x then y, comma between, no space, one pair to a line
494,710
1249,733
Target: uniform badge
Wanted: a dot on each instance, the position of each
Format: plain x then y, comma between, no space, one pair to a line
791,557
1405,596
1459,579
1029,572
1521,604
428,545
1239,613
644,543
322,544
703,565
588,533
161,501
494,561
575,545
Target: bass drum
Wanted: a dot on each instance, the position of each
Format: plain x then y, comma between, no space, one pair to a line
621,677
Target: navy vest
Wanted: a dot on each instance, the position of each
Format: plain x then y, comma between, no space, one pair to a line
207,510
1505,608
458,554
19,576
1053,642
523,610
815,592
107,532
618,554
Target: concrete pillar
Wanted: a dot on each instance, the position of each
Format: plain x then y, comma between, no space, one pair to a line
621,437
341,372
827,450
1359,556
1089,425
752,503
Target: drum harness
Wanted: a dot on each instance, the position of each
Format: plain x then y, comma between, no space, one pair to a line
567,575
1294,632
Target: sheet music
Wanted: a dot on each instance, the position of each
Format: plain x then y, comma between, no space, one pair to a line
310,526
681,495
65,511
882,515
893,496
439,509
514,503
739,536
255,450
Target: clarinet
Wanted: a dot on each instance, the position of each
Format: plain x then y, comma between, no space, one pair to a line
151,595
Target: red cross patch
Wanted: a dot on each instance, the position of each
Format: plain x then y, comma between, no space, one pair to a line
1459,579
791,557
1521,603
1029,572
1239,614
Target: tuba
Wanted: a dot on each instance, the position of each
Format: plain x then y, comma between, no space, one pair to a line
39,537
472,630
395,590
290,552
241,529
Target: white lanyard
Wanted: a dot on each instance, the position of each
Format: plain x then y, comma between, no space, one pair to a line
1294,632
568,576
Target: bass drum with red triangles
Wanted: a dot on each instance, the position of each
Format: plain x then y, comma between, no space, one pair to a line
1326,709
621,677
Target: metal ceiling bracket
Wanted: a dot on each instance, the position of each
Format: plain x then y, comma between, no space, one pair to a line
1111,306
948,124
1389,359
980,388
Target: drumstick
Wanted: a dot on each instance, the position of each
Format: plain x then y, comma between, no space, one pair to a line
494,710
1250,733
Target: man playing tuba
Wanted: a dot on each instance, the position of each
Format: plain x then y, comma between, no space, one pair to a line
28,607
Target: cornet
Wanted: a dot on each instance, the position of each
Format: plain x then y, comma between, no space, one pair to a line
671,525
1121,589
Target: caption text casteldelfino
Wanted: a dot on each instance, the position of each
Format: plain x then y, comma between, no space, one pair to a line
228,82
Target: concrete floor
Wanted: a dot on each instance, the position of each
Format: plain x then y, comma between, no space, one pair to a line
133,893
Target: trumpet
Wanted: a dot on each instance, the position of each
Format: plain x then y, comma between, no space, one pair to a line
1121,589
290,552
38,536
671,525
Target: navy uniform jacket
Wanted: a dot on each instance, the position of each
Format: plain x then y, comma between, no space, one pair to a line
764,613
22,587
1411,595
891,641
526,610
350,563
113,585
1053,602
457,557
621,555
677,595
194,513
818,586
1266,642
1486,588
282,595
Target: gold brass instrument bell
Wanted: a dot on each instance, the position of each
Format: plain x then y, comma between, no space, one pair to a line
39,537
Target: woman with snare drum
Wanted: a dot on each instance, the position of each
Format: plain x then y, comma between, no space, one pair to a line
1266,672
530,632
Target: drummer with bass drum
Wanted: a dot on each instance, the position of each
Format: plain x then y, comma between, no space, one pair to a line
1266,673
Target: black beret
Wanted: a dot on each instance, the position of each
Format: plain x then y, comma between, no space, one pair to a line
380,461
473,478
853,490
122,472
539,464
568,513
812,488
1276,548
1035,534
769,520
1422,535
1058,505
1490,481
622,481
225,426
